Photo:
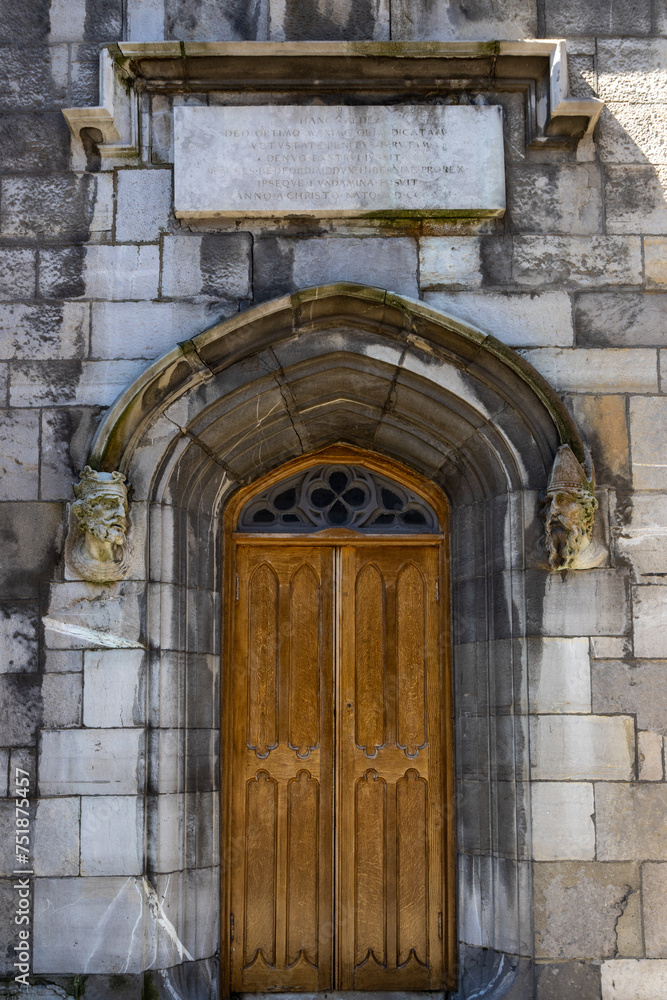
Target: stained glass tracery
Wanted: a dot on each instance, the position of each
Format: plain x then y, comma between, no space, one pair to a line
338,496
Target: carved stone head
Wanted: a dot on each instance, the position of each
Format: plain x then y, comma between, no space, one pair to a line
568,510
101,510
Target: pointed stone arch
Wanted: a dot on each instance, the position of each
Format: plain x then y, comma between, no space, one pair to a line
361,366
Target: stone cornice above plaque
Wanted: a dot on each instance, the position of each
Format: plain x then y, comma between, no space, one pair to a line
372,71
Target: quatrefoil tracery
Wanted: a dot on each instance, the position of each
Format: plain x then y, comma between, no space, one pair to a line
338,496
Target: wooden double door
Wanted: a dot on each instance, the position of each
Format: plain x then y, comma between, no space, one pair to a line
338,780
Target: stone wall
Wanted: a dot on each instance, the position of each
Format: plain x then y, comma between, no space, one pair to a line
97,279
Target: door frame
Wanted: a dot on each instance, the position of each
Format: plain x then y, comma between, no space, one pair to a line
346,455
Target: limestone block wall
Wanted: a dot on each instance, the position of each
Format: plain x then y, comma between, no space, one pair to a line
97,279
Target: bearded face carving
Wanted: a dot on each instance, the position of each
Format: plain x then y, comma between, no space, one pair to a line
101,510
568,511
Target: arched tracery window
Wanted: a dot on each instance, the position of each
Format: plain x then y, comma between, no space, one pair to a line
338,496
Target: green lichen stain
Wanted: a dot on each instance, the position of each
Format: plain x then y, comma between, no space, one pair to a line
117,984
76,987
149,990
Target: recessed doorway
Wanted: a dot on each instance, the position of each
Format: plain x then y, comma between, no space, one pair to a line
339,830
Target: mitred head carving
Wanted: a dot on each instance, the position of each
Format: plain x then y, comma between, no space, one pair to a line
568,511
101,509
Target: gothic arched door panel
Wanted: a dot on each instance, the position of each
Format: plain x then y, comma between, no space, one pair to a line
337,785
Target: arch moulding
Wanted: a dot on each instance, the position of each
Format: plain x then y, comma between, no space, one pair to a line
359,366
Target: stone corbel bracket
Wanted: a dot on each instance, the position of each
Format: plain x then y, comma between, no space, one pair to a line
565,115
536,67
115,120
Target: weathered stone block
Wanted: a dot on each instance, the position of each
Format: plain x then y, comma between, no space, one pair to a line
20,708
33,142
590,603
166,833
145,21
638,687
85,75
17,272
633,69
28,556
568,979
615,319
82,917
641,537
655,261
388,263
601,17
100,272
612,370
563,827
19,455
91,762
149,329
42,71
555,198
166,762
202,21
103,207
44,331
217,264
650,756
445,20
630,821
43,383
4,772
603,422
635,199
582,78
113,687
19,636
295,20
109,615
577,261
284,265
608,647
66,436
625,979
92,383
196,892
112,835
559,675
633,133
61,697
29,23
576,747
648,431
454,260
654,905
79,20
143,205
56,837
48,208
63,661
649,615
566,896
517,319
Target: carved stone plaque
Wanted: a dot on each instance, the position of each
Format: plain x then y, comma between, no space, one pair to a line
273,160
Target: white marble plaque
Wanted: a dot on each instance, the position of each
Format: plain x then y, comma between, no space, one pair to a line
275,160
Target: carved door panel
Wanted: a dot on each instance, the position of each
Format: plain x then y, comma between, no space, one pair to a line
390,787
337,779
282,784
